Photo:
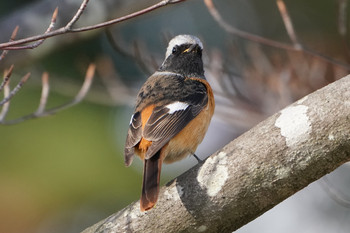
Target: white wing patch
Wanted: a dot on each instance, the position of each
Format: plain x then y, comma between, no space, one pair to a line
132,116
176,106
131,119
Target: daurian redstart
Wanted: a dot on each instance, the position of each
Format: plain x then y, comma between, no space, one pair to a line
172,114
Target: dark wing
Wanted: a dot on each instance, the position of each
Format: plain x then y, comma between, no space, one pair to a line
133,137
164,122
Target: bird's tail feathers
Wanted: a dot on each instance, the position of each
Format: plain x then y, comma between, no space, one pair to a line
150,185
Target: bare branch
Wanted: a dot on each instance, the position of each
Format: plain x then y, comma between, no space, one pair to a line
253,173
86,85
7,77
230,29
77,15
342,12
44,94
132,15
288,24
15,90
12,38
39,42
79,97
68,29
6,106
217,16
41,112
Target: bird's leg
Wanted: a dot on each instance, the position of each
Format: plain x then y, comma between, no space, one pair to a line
198,159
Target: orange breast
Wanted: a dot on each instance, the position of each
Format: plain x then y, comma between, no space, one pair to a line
188,139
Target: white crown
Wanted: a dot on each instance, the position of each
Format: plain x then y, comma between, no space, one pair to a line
182,39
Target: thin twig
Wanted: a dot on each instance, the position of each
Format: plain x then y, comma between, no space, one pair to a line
6,106
342,12
15,90
123,18
230,29
12,38
68,29
246,35
77,15
288,24
86,85
79,97
44,94
39,42
7,77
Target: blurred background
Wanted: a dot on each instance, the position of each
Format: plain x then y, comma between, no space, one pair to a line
65,172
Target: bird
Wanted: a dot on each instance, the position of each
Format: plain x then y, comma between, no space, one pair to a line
173,110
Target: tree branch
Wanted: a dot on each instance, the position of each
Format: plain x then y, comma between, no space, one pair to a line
12,45
12,38
39,42
253,173
288,24
265,41
5,83
42,111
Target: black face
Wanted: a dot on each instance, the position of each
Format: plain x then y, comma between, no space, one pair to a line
185,59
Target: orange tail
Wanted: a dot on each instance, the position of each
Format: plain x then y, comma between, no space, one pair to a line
150,184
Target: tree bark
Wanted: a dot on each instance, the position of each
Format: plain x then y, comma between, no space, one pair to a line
253,173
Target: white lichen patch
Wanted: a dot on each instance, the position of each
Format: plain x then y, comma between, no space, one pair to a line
202,228
213,174
295,124
283,172
331,137
174,193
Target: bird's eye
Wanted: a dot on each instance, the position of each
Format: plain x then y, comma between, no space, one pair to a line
175,49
